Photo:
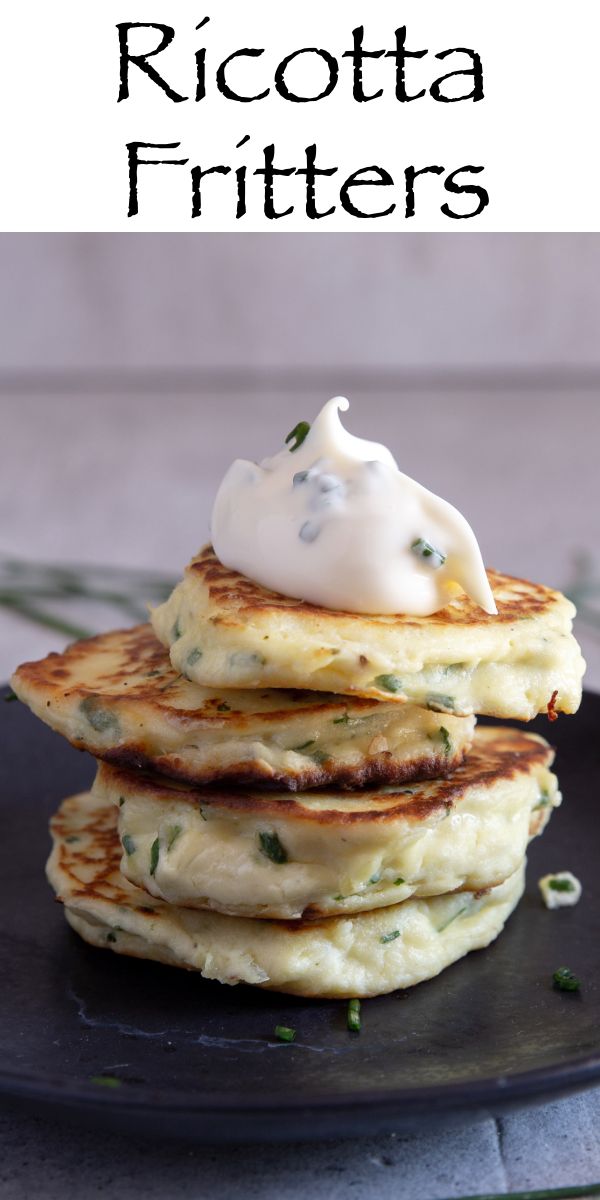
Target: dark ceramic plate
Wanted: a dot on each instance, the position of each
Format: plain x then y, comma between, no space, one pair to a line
196,1059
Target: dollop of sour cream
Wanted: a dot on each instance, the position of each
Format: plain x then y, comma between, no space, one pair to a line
331,520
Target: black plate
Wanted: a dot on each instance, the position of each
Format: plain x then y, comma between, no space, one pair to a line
197,1059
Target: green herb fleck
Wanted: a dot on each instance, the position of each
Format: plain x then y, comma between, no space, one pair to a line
154,853
304,746
565,980
446,740
111,937
376,878
108,1081
152,674
272,848
454,917
319,757
223,707
298,435
543,801
284,1033
561,885
99,718
73,838
173,832
128,844
193,657
389,937
121,801
399,881
424,549
345,720
176,631
300,477
10,696
388,683
438,702
202,813
353,1016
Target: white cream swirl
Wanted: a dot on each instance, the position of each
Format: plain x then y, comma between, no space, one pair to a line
331,520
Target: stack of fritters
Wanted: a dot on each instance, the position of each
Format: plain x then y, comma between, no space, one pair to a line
345,840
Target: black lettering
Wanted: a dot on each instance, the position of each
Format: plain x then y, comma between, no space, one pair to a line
465,189
475,73
410,175
197,176
135,163
354,180
140,60
201,66
311,171
281,85
400,54
357,54
240,176
270,172
223,85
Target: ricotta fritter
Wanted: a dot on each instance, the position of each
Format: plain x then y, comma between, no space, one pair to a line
363,955
118,696
226,631
267,855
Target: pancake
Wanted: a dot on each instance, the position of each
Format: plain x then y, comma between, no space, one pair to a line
225,631
363,955
118,696
271,855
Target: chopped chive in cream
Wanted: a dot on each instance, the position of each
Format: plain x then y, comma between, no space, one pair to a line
154,853
446,740
389,937
173,832
73,838
565,980
121,801
284,1033
297,435
345,720
176,631
99,718
128,844
107,1081
543,801
399,881
353,1016
223,707
376,878
561,885
304,746
423,549
300,477
111,937
454,917
388,683
319,757
193,657
272,848
309,531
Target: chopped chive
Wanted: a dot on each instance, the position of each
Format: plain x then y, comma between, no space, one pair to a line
388,683
300,477
561,885
284,1033
202,813
154,853
345,720
108,1081
446,740
454,917
376,878
223,707
353,1016
152,674
543,801
111,937
272,848
304,746
399,881
10,696
309,531
389,937
423,549
173,833
193,657
176,631
565,980
99,718
438,702
128,844
298,435
319,757
73,838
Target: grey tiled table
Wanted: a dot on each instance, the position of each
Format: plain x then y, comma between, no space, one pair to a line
129,479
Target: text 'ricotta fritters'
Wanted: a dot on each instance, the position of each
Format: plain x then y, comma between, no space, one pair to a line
367,954
117,696
269,854
225,631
